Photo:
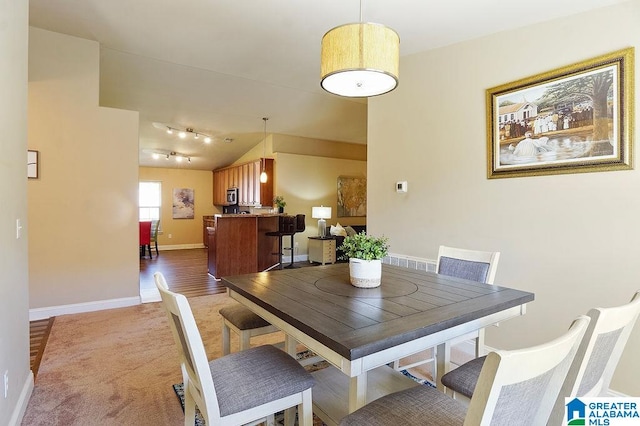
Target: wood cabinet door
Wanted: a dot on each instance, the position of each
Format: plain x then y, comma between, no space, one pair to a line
245,196
249,184
245,177
219,191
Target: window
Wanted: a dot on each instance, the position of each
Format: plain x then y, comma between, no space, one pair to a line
149,200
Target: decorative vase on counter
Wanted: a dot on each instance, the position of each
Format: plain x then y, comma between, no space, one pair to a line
280,209
365,273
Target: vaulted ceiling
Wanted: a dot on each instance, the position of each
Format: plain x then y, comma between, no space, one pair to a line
219,66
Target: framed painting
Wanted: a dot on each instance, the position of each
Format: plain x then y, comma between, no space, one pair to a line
183,203
570,120
352,196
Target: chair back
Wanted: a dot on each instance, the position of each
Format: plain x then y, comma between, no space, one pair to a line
145,233
521,386
480,266
193,357
300,225
155,225
599,353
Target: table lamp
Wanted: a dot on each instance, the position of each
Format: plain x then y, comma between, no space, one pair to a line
321,213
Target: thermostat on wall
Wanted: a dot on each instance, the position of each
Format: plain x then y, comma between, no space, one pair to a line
401,186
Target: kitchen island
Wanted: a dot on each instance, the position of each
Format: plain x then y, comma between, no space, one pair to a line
238,244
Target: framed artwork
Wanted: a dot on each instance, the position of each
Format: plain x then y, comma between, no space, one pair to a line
570,120
352,196
183,203
32,164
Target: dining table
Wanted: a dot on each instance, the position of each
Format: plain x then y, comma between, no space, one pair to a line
361,331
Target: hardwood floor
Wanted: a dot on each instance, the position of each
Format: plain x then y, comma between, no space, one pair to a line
185,271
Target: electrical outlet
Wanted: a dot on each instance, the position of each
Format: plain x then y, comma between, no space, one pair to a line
170,236
296,244
6,384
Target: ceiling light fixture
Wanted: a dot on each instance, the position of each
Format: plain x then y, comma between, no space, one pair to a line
184,132
263,175
360,60
168,154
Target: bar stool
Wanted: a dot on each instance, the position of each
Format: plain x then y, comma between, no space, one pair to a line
245,323
287,226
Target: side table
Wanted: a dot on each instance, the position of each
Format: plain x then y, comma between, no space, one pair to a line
322,250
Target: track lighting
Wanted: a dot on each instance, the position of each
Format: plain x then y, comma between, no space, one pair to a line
167,156
184,132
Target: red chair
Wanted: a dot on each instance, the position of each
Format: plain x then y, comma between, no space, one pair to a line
145,238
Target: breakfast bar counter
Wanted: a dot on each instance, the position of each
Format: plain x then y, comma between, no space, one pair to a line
238,244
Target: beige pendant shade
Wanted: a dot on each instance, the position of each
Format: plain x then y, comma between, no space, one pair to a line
360,60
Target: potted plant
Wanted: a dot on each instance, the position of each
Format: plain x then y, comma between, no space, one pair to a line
279,201
365,253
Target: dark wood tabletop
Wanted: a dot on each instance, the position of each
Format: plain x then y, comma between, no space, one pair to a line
353,322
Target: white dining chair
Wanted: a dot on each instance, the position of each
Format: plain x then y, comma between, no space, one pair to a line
591,371
598,356
473,265
244,387
514,388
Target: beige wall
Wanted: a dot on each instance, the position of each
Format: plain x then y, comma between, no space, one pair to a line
14,282
572,239
306,174
83,239
307,181
184,232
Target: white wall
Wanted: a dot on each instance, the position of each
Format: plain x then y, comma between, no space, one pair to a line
83,209
573,240
14,288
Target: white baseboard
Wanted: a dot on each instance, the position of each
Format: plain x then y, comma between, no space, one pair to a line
52,311
23,401
297,258
149,295
615,394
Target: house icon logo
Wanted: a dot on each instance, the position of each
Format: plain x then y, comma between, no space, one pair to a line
576,412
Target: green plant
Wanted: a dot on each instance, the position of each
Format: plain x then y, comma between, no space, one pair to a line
279,201
365,247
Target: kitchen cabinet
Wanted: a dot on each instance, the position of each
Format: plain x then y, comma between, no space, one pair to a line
245,177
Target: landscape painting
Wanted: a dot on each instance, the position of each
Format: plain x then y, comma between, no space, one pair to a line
574,119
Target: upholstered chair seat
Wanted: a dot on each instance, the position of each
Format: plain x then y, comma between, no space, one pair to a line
245,323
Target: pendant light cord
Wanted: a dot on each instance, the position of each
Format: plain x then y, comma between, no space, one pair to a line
264,142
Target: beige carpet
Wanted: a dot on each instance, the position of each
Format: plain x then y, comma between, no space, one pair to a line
117,367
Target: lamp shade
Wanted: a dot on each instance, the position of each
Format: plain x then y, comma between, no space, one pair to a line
321,212
360,60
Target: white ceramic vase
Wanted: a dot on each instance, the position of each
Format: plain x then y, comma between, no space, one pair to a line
365,273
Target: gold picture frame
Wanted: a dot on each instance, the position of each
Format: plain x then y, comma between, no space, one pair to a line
574,119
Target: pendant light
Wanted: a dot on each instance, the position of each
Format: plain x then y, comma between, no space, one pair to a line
360,60
263,175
